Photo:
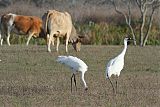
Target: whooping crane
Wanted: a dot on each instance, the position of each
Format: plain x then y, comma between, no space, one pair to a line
116,64
75,64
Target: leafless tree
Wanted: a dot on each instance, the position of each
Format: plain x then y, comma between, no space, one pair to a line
127,16
146,6
147,9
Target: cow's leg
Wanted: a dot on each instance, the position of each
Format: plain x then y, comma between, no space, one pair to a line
1,39
58,42
49,42
67,39
53,41
67,44
29,38
8,37
2,35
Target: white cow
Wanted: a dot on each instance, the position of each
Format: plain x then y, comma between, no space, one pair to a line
59,24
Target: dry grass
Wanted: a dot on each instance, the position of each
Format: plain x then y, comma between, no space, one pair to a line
30,77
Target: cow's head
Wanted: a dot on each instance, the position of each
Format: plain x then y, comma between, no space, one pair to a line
77,44
6,18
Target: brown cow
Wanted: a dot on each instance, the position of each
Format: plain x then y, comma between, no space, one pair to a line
19,24
59,24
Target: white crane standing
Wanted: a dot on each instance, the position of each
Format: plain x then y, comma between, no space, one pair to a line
116,64
75,64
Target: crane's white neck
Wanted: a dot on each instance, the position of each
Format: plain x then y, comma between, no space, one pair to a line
86,87
125,48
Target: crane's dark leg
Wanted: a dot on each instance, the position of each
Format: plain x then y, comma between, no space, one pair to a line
75,81
117,83
71,82
112,85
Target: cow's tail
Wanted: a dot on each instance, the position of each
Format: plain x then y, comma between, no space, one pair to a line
46,24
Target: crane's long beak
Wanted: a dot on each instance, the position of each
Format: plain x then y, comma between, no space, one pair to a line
131,39
86,88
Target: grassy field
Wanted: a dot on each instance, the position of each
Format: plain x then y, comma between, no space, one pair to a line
30,77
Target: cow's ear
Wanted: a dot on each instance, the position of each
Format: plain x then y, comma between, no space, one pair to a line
81,36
